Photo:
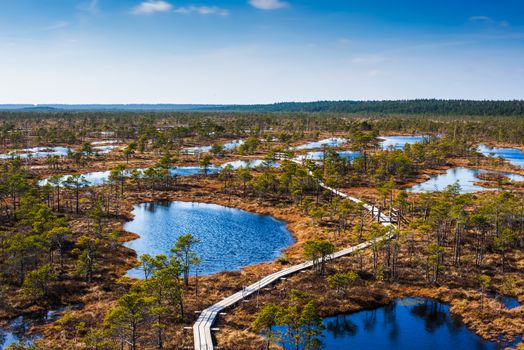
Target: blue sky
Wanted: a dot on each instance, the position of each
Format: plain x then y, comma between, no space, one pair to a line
259,51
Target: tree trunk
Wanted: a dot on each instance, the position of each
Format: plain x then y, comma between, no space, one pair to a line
77,200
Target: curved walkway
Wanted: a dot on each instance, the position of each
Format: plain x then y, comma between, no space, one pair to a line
203,339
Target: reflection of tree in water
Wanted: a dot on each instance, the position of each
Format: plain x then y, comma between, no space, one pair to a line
434,314
20,327
3,338
455,324
407,313
390,314
370,320
17,330
390,320
340,326
153,206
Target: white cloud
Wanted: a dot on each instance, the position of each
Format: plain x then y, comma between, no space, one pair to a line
489,21
268,4
152,6
484,19
202,10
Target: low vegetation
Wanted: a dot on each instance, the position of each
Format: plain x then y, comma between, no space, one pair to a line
61,241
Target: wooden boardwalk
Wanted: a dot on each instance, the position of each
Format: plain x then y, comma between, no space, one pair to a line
203,339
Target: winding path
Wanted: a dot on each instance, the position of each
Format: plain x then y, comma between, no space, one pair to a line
203,339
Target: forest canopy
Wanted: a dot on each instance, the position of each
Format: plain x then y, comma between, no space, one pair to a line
415,107
423,106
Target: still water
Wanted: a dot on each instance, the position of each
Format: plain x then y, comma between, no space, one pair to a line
331,142
40,152
398,142
229,238
466,177
405,324
202,149
17,330
99,178
512,155
37,152
319,155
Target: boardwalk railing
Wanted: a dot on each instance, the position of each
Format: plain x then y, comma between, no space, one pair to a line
202,328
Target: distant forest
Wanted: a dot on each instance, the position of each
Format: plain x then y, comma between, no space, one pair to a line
424,107
400,107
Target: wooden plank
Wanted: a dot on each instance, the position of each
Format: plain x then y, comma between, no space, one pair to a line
202,328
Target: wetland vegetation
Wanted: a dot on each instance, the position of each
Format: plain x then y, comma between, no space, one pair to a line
205,203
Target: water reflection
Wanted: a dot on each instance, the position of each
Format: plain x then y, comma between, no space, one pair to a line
253,163
17,330
99,178
331,142
512,155
202,149
398,142
319,155
407,324
341,326
466,178
433,314
37,152
40,152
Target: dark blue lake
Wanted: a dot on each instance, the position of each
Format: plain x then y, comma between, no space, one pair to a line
230,238
406,324
512,155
